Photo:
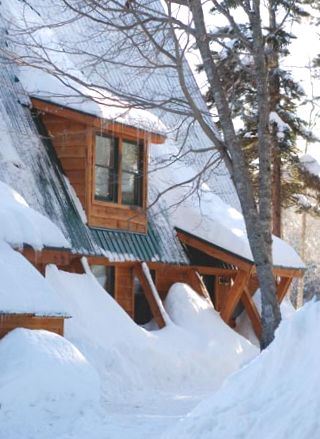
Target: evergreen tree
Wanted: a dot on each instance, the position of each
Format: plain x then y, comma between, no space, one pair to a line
285,95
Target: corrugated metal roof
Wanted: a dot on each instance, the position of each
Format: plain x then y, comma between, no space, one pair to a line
160,244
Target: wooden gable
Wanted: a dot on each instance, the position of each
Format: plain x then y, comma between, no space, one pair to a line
73,135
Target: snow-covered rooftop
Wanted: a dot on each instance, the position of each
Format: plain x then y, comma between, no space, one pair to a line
207,206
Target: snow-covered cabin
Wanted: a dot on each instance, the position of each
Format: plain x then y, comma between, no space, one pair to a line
94,163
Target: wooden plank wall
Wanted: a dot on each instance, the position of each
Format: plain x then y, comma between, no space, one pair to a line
124,293
8,322
70,141
167,275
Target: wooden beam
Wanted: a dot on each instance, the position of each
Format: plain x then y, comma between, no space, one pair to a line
156,312
96,122
288,272
49,256
214,251
252,312
214,271
283,287
234,295
197,284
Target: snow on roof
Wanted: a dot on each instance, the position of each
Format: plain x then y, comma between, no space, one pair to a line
22,288
311,164
122,71
211,219
94,101
20,224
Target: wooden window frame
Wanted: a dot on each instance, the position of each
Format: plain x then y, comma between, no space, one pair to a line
143,162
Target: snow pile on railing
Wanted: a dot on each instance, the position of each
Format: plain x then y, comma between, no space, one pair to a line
275,396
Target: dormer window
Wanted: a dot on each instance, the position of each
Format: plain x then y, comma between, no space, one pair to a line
118,170
106,164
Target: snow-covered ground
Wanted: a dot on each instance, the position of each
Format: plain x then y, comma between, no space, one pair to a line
110,378
147,379
276,396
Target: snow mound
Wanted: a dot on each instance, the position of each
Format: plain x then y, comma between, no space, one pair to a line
134,363
243,322
276,396
20,224
42,376
22,288
197,315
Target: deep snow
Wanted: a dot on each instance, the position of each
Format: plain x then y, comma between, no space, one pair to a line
134,363
147,380
276,396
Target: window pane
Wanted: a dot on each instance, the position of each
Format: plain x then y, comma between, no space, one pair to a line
128,192
106,184
106,168
104,151
102,182
130,156
131,189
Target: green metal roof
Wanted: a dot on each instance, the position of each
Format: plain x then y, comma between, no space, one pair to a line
160,244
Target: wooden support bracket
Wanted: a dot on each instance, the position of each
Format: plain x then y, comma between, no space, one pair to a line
283,287
252,312
156,312
235,294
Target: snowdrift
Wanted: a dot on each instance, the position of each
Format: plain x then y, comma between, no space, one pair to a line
20,224
22,288
197,316
132,362
43,379
276,396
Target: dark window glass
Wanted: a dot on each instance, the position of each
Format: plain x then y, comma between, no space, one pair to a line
132,173
105,277
106,168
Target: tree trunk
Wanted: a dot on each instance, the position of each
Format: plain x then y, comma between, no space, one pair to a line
258,225
274,92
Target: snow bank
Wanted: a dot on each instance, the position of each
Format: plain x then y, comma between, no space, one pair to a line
20,224
195,314
276,396
135,364
22,288
45,382
243,322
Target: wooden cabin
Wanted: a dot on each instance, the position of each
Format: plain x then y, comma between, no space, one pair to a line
89,175
107,166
